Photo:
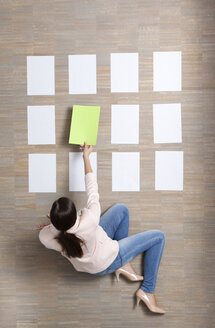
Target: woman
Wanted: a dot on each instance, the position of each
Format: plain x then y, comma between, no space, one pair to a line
100,245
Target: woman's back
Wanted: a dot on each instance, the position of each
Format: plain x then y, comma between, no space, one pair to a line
98,249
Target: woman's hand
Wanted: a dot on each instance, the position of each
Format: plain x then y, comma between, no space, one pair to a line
86,149
41,226
86,153
44,224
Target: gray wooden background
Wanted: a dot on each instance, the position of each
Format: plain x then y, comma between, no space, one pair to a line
40,288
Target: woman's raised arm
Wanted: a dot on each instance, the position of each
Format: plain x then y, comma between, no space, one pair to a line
86,153
91,184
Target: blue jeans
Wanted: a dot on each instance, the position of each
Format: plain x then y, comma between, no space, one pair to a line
115,222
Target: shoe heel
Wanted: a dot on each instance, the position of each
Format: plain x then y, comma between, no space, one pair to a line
117,275
138,300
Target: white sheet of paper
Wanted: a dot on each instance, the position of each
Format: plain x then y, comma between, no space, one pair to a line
125,171
42,172
124,72
82,74
169,170
76,170
125,124
41,125
40,75
167,71
167,123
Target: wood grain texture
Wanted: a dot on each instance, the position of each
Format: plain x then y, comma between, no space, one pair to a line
39,288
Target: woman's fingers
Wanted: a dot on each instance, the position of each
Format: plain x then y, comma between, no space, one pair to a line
42,225
86,148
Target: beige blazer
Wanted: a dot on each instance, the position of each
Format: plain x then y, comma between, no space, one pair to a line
99,250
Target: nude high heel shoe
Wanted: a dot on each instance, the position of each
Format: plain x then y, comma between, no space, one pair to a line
149,300
128,271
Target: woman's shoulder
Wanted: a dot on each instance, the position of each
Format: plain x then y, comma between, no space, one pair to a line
47,237
86,221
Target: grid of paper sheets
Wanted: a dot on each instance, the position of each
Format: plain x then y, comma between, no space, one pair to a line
124,78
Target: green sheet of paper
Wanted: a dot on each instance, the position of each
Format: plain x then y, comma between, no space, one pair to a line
84,125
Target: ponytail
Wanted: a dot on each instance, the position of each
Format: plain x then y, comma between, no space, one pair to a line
63,216
71,244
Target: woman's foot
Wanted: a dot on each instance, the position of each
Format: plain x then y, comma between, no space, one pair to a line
149,300
128,271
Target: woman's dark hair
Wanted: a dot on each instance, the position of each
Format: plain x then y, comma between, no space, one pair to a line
63,216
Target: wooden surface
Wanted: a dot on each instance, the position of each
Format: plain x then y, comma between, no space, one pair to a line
40,288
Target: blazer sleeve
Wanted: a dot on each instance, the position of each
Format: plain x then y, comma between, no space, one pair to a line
93,204
47,235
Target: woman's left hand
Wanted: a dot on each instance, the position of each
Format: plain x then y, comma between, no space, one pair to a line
43,225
